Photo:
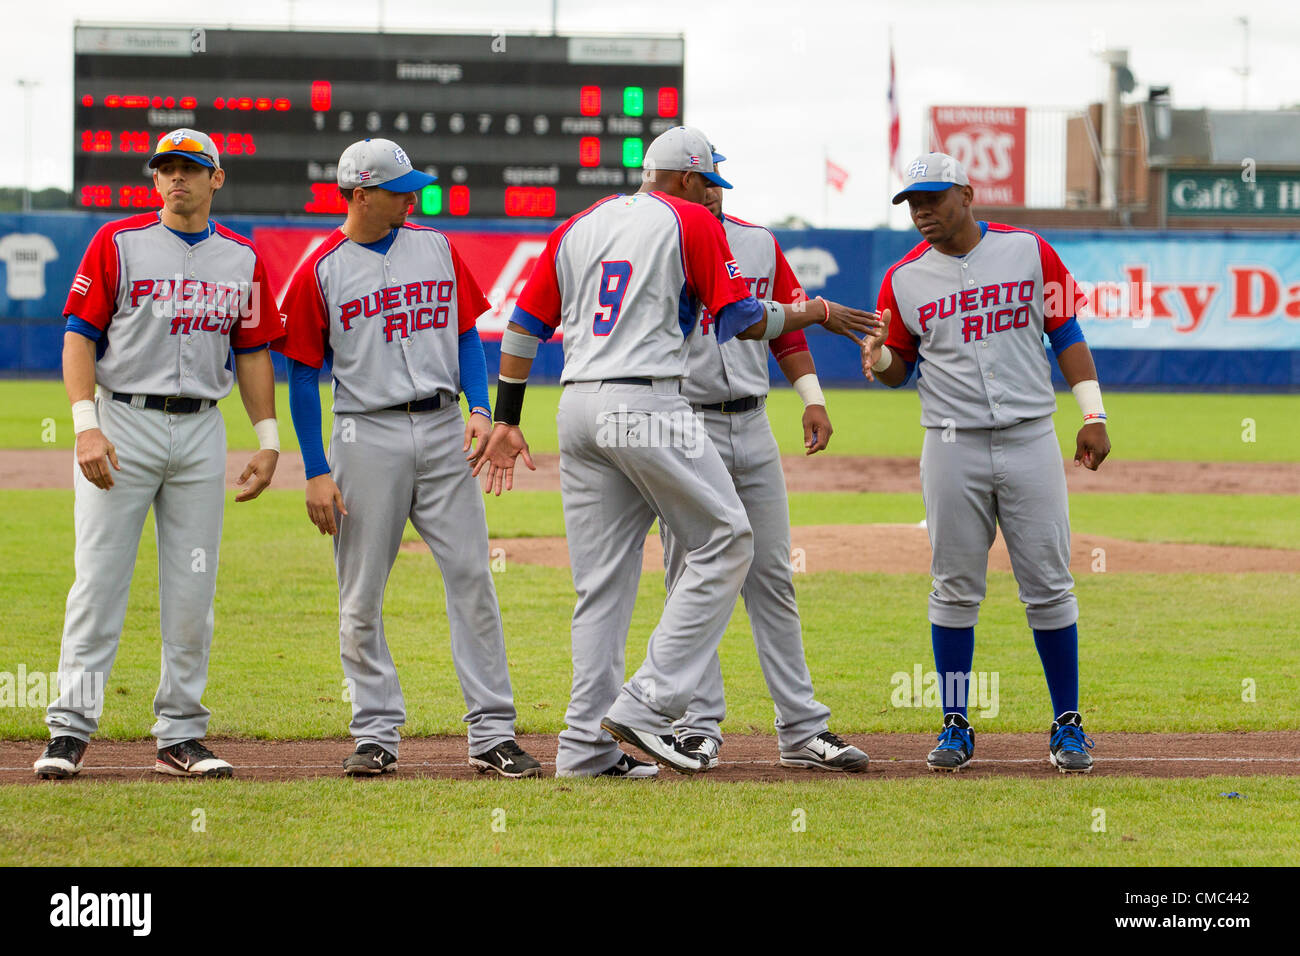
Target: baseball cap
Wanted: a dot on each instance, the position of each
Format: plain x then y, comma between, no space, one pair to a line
931,173
380,162
189,143
684,148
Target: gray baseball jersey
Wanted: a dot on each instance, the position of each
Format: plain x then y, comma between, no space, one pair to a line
976,324
725,371
392,320
631,269
170,312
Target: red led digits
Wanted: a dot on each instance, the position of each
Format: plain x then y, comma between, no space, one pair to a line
538,201
589,101
321,93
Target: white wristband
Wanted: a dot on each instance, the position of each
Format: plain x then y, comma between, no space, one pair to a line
84,417
268,434
1088,395
886,359
775,314
809,389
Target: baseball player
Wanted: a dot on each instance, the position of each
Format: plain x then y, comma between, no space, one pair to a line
966,310
395,307
623,277
158,304
726,384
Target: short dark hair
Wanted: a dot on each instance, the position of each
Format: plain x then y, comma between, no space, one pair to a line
346,192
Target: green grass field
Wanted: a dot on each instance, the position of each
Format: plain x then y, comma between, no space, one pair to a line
550,822
868,421
1158,653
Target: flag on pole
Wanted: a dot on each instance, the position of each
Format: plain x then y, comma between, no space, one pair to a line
836,176
893,113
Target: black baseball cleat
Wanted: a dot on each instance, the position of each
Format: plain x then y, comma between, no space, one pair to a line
506,759
629,768
663,748
61,759
191,759
956,745
369,760
1068,745
826,751
701,748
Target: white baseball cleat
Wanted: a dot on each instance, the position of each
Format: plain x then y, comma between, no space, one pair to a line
826,752
191,759
704,748
62,758
663,749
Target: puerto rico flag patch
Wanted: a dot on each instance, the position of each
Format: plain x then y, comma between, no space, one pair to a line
695,160
733,270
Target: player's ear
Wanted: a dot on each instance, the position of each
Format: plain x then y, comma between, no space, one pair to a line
218,177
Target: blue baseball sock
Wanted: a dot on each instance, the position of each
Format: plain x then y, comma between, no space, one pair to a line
954,650
1059,651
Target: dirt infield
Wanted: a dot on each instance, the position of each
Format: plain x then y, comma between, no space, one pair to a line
52,468
745,759
905,548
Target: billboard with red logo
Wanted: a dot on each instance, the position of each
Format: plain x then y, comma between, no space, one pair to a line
990,142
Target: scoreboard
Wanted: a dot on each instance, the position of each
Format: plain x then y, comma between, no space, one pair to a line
512,126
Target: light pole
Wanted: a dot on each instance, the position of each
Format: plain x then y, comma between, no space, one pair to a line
27,86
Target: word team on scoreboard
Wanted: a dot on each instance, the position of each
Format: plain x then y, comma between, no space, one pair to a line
512,126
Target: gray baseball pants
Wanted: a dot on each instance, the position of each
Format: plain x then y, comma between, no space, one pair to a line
750,453
391,466
629,454
177,465
983,479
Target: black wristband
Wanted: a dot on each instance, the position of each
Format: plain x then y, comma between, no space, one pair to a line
510,402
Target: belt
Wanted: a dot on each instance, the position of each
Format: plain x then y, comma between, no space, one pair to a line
647,382
171,404
732,407
423,404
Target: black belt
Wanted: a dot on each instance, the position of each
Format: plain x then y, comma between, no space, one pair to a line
647,382
171,404
423,405
732,407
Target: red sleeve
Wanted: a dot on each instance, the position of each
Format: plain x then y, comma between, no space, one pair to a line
306,318
94,288
711,269
900,339
540,296
1062,297
470,300
264,323
785,288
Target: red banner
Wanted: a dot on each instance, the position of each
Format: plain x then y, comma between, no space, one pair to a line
990,142
500,261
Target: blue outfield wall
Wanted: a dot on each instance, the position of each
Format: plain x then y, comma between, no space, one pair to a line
1210,311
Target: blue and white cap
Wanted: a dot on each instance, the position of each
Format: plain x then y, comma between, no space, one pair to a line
931,173
380,162
684,148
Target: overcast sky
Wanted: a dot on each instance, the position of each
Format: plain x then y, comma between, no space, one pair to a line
774,84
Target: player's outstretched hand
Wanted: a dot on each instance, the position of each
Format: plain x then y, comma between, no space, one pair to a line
261,468
1091,446
323,496
816,428
506,444
94,454
871,344
477,432
845,320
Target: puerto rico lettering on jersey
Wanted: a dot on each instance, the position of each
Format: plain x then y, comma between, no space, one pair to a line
194,305
425,305
758,288
1017,297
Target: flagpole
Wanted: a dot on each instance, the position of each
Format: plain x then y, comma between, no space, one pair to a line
826,188
893,95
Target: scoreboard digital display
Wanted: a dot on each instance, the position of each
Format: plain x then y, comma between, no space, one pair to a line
512,126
